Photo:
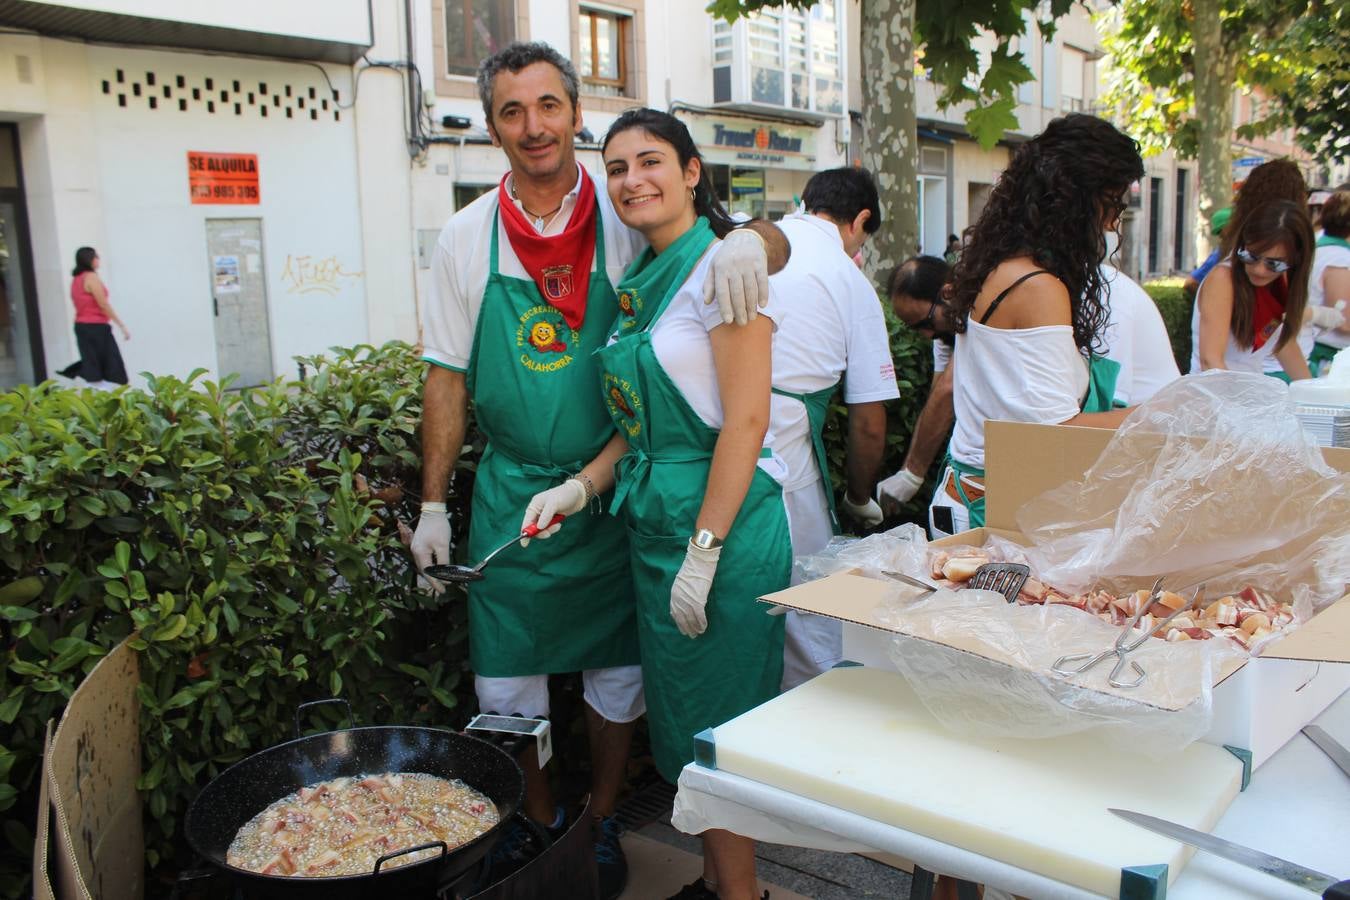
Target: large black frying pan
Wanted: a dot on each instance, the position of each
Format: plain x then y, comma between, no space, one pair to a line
248,787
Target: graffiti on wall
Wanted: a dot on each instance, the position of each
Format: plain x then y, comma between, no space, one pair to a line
316,275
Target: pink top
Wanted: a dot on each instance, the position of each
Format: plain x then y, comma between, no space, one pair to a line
87,310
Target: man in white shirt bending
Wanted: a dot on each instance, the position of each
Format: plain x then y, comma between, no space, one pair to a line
832,329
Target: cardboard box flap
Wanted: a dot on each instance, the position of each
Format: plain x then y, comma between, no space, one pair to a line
1325,638
852,597
42,881
847,596
1024,461
94,762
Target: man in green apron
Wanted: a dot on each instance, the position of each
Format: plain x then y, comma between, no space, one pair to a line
833,330
522,298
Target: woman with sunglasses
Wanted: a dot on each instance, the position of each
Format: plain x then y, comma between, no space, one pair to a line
1029,301
1251,305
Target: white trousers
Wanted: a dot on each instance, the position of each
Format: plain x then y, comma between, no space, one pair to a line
812,643
615,693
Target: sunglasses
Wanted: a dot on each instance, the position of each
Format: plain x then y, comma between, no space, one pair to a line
929,322
1277,266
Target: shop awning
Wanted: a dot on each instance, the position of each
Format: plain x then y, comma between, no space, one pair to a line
336,31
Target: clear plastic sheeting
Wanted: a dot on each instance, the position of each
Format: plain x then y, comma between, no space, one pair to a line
902,549
1213,479
984,667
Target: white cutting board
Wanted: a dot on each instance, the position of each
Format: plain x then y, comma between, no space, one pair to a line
858,739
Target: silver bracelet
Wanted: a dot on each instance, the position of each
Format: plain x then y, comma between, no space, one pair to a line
587,484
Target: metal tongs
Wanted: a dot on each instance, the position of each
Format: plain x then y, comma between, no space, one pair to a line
1126,642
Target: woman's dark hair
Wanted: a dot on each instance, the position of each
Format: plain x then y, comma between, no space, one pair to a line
1279,179
920,277
84,260
1336,215
1051,204
1267,225
665,127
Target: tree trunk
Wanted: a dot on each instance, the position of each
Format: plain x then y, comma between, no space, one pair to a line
890,147
1215,74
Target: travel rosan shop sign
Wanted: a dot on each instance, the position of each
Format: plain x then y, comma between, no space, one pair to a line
745,142
223,177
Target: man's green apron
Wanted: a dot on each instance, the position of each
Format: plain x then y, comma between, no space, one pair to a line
1102,376
817,405
566,603
1324,353
690,683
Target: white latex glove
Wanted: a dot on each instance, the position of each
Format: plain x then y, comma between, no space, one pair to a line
867,514
1327,317
567,498
431,544
900,487
689,593
739,276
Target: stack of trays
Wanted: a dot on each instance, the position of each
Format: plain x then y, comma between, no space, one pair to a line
1328,425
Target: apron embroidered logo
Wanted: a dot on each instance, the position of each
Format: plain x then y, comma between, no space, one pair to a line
630,304
557,282
542,335
623,400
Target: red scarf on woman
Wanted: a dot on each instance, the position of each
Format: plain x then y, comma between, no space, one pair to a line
559,264
1268,311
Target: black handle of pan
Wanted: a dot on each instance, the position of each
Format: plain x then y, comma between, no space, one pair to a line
406,850
351,721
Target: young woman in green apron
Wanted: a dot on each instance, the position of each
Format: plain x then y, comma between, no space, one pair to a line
690,398
1029,301
1329,282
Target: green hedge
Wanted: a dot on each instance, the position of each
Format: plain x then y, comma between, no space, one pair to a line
1176,308
252,539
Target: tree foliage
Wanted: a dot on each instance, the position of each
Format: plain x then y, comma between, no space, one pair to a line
1318,101
947,33
1153,78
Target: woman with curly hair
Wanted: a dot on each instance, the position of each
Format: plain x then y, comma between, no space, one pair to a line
1251,307
1029,301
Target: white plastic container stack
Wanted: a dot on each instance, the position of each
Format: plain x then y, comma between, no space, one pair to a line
1323,404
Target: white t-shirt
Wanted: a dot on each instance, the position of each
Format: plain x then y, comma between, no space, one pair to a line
942,355
1031,375
1330,257
683,348
1236,358
460,263
832,327
1137,339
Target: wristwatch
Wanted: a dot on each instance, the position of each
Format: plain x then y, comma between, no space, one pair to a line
704,539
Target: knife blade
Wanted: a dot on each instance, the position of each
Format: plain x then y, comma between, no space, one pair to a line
1330,746
1310,879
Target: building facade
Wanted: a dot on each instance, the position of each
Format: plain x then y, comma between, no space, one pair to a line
266,180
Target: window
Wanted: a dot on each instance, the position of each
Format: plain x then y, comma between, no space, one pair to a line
1073,80
475,29
603,52
781,57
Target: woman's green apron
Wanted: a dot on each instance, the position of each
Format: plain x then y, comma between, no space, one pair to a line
1102,376
566,603
817,405
690,684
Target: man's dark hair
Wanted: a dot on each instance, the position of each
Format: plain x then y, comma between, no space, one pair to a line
843,193
516,56
920,277
1336,214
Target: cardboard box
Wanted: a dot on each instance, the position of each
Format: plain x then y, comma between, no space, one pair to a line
1257,707
89,838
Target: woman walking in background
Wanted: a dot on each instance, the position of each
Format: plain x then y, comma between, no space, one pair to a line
1251,306
100,361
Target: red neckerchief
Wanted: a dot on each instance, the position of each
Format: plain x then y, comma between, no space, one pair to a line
1268,311
559,264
